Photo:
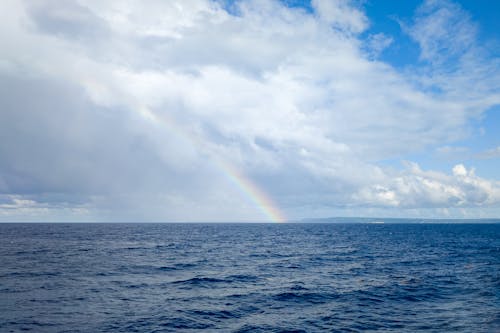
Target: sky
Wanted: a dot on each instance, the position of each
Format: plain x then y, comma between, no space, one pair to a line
252,110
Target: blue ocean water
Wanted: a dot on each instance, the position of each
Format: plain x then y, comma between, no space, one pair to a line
249,277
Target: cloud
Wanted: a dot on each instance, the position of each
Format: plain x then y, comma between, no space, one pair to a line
415,188
377,43
452,56
489,153
453,152
16,208
129,108
341,14
443,30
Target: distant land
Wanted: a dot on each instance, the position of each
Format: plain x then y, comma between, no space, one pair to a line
374,220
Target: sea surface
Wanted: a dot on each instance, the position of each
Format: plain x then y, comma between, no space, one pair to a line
250,277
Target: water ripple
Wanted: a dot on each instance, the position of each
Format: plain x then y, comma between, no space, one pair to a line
249,278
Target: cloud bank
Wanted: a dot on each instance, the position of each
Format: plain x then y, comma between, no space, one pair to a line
124,111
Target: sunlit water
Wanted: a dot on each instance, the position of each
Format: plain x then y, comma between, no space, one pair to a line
249,278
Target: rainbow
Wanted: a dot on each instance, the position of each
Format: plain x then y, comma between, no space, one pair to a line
245,185
252,191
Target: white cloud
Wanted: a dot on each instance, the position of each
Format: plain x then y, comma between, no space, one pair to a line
16,208
489,153
341,14
415,188
144,99
453,152
449,46
459,170
377,43
446,150
443,30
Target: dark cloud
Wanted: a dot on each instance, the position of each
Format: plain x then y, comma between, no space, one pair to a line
67,19
55,140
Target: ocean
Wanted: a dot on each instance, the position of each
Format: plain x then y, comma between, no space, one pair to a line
309,277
